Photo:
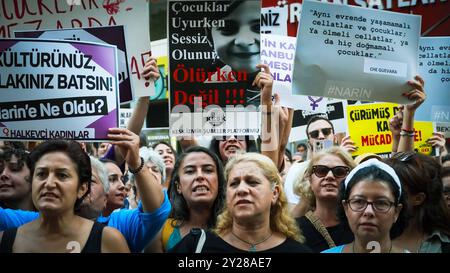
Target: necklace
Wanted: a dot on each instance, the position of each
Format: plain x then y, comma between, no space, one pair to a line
252,245
373,251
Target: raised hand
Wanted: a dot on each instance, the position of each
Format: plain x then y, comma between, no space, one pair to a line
395,123
348,144
417,94
127,144
151,71
438,141
264,81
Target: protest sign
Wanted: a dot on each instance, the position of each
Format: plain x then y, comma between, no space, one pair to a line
355,53
113,35
434,13
155,135
278,51
444,128
335,113
57,89
51,14
434,67
368,126
213,53
124,117
423,130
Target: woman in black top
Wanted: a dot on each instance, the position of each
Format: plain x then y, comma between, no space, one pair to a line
320,188
255,218
61,177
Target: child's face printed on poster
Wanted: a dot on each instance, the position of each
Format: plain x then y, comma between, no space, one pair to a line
237,44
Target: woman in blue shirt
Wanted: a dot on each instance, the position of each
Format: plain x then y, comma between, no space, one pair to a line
373,204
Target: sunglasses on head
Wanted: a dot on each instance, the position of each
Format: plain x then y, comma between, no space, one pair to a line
338,171
325,131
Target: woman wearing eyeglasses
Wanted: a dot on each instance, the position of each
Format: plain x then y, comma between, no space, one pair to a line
372,204
320,187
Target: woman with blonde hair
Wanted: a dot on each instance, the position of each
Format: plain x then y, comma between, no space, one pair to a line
319,188
255,219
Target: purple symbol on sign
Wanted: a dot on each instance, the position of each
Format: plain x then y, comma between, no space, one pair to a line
314,102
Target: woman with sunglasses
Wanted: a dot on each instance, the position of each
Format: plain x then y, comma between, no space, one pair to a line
319,187
321,135
372,204
428,228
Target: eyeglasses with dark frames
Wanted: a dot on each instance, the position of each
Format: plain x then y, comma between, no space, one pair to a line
360,204
338,171
325,131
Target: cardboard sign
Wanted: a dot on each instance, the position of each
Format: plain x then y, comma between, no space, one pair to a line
355,53
368,125
51,14
434,67
214,47
335,113
113,35
57,89
278,43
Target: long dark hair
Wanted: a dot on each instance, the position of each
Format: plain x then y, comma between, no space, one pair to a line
420,173
180,210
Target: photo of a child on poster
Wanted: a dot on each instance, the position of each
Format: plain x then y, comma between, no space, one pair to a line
214,47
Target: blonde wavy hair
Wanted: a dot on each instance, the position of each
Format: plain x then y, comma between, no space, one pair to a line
280,219
302,185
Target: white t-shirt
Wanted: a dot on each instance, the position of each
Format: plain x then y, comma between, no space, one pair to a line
295,172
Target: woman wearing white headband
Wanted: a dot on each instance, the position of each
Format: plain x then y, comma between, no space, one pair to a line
373,205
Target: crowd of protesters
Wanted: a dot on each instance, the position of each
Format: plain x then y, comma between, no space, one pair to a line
237,196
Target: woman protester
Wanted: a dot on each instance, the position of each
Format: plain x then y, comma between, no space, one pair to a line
320,188
197,195
61,177
255,218
373,204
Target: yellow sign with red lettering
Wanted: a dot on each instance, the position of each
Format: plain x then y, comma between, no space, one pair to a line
424,130
368,126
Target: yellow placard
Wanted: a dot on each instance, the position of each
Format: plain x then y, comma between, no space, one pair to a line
368,126
423,130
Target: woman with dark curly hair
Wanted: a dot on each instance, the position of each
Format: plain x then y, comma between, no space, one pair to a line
61,176
429,218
